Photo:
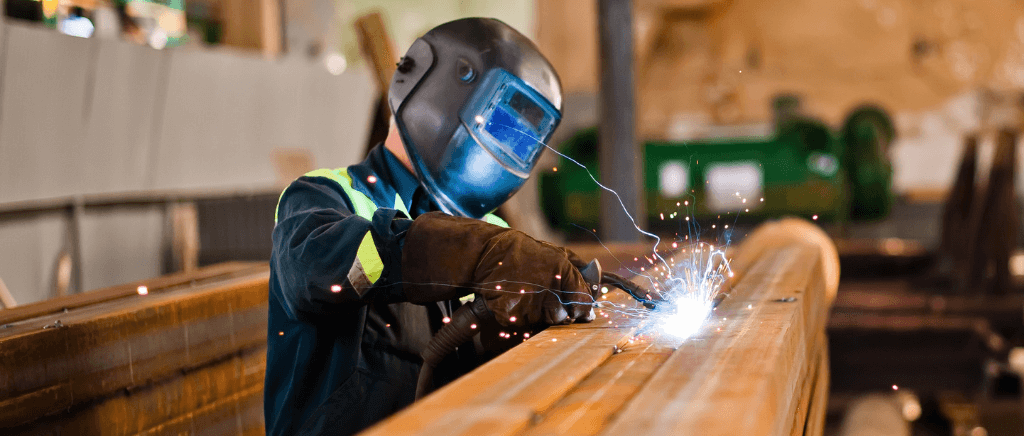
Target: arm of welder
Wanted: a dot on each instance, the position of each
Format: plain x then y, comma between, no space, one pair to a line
325,255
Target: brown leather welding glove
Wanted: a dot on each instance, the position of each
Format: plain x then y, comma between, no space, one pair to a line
525,282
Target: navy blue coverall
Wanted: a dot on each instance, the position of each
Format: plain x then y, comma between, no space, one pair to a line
343,350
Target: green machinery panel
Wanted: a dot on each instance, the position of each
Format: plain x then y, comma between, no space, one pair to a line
803,169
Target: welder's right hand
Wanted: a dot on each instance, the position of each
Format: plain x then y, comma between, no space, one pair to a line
525,282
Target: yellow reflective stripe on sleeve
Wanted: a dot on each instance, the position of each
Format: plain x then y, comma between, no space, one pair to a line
370,258
362,204
493,219
400,205
367,266
278,207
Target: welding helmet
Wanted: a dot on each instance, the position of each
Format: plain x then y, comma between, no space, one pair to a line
474,102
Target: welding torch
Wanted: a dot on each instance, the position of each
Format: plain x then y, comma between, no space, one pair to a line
464,322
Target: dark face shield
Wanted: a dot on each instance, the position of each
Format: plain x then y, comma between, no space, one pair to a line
503,128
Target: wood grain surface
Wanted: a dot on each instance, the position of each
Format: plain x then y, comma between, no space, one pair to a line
758,366
58,361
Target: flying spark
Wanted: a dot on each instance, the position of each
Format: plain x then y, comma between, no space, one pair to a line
688,286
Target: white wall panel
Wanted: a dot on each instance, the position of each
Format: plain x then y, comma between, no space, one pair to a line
29,252
336,114
121,247
206,133
119,120
84,116
41,108
226,114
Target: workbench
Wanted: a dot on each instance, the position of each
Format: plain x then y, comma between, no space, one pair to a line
758,366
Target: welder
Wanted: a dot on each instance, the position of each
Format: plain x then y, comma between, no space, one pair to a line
371,260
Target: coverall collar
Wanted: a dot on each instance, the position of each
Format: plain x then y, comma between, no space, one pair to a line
390,173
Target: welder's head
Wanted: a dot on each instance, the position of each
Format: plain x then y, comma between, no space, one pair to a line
475,102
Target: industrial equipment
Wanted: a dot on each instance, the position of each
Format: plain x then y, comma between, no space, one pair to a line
803,169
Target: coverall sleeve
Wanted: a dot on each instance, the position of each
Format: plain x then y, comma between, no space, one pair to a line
317,241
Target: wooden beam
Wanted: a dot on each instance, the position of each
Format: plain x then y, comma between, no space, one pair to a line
803,416
271,28
742,373
753,368
240,414
166,405
592,404
249,26
6,299
502,396
159,284
819,403
184,236
377,48
58,361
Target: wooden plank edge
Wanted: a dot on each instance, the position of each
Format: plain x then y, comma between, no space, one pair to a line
164,283
810,382
596,400
518,385
240,414
72,388
757,285
144,407
815,425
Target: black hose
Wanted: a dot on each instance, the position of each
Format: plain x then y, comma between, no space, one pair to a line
463,326
639,293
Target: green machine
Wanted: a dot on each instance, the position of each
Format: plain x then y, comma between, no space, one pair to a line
803,169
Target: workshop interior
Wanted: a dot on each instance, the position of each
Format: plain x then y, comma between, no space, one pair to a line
787,217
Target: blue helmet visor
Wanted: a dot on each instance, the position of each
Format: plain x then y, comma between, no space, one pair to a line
503,128
510,119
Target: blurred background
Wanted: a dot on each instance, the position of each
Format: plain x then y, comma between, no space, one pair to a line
148,137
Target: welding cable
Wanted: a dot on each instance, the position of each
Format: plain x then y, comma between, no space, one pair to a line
464,324
648,297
